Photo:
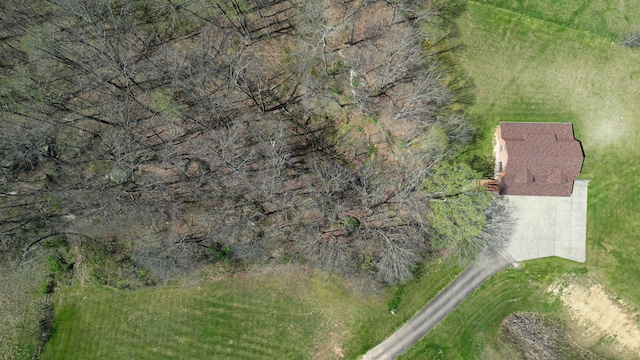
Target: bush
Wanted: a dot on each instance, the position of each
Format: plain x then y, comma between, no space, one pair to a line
397,297
58,242
220,253
57,264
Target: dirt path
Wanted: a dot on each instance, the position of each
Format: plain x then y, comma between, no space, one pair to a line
436,310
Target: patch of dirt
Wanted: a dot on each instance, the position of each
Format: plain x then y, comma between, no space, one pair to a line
599,317
608,126
330,348
82,272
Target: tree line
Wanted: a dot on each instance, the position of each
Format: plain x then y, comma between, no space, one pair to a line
166,133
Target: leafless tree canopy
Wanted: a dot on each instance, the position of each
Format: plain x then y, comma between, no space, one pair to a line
175,131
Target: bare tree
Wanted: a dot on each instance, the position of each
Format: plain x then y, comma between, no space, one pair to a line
330,254
276,129
399,257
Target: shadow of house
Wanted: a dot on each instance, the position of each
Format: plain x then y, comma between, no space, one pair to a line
537,166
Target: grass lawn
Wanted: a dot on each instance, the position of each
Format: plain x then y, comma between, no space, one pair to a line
278,314
528,69
21,301
609,18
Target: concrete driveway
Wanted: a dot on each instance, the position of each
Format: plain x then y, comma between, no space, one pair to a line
547,226
550,225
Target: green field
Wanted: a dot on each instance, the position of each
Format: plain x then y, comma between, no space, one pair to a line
609,18
274,315
21,301
529,69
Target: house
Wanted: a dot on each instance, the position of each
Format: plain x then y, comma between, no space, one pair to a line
537,165
537,159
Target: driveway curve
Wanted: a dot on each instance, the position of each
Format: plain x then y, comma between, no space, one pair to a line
417,327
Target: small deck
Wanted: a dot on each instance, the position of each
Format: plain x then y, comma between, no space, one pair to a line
500,154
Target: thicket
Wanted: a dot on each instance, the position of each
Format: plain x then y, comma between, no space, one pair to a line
165,134
539,337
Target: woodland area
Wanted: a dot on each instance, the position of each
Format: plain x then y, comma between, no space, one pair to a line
148,137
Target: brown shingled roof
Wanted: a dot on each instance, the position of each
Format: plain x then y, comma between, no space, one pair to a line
544,159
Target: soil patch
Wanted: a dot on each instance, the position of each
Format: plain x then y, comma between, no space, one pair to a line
599,316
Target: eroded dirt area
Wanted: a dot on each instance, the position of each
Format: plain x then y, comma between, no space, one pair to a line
599,319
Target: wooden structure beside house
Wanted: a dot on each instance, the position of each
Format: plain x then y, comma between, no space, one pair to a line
537,159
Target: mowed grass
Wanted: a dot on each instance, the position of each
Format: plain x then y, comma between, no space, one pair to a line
472,331
609,18
530,70
527,69
278,315
377,323
21,301
293,314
